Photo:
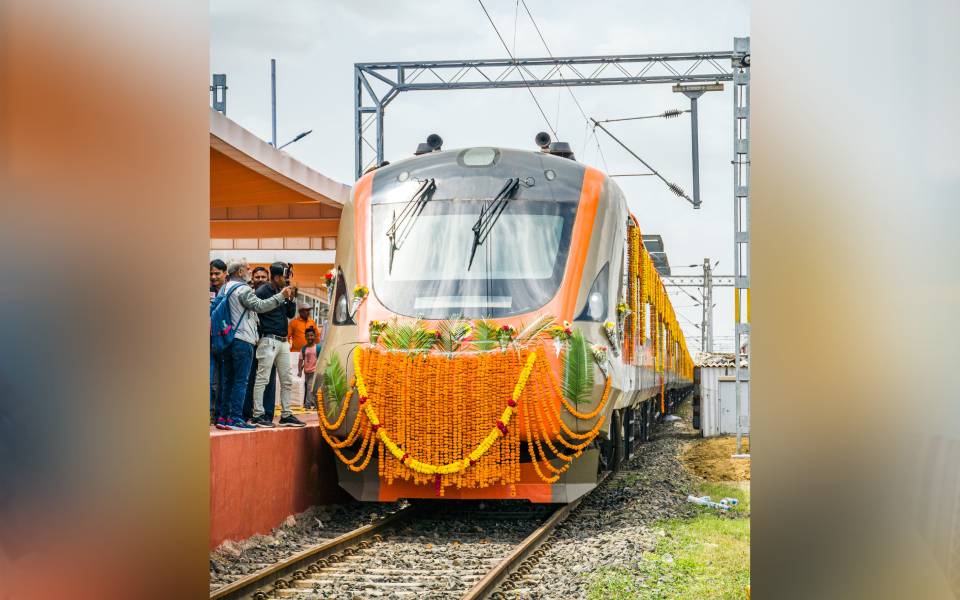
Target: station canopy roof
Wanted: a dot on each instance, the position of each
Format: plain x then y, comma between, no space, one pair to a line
654,245
247,171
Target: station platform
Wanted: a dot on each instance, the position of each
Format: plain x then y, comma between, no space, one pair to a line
260,477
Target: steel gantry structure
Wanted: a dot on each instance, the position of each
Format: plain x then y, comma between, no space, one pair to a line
706,283
377,84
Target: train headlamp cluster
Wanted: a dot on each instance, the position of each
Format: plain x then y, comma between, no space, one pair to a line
596,307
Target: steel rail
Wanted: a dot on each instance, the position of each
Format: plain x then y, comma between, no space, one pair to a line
249,586
253,586
492,580
498,574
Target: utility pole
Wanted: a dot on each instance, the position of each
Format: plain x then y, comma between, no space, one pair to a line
706,327
273,100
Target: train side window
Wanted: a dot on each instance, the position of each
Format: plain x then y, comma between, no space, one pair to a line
341,304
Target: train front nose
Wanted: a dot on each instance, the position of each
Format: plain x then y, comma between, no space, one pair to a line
478,233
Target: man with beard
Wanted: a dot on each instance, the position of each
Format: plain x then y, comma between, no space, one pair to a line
274,349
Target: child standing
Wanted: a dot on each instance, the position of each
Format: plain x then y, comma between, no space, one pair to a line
307,368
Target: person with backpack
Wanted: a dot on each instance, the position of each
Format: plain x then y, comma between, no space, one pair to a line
218,276
233,337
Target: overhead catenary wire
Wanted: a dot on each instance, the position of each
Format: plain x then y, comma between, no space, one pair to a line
603,158
519,70
676,189
688,320
695,299
667,114
573,96
673,187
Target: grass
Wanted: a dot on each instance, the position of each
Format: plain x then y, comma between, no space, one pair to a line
705,556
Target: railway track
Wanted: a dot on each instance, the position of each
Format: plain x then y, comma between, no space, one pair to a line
422,551
464,550
452,550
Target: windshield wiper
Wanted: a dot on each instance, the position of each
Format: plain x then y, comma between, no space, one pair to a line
490,213
403,223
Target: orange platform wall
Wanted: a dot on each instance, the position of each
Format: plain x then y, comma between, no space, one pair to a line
259,478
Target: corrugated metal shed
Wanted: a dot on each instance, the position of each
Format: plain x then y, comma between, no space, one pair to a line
718,404
717,359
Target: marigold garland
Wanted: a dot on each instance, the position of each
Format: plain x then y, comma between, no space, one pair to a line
633,266
427,450
446,465
421,411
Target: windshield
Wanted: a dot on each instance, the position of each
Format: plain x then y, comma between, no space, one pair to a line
517,269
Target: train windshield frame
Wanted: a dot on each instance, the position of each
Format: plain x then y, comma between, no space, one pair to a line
518,269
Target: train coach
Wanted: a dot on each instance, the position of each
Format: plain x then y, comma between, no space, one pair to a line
497,329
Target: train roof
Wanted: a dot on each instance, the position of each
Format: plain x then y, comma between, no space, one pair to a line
477,154
548,173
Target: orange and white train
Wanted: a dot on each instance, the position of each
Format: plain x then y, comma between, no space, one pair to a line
482,242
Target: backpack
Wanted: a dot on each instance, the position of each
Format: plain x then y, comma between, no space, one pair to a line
303,351
222,331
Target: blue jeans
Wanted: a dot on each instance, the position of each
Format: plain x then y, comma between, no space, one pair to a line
234,373
214,383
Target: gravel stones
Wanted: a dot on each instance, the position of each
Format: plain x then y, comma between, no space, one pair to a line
613,525
450,545
236,559
439,553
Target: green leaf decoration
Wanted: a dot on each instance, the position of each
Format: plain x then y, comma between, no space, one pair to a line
535,330
578,370
411,336
486,335
452,331
335,384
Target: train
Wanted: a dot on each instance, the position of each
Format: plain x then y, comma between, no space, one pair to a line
496,329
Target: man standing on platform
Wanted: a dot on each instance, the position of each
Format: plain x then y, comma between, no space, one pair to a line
260,277
236,358
299,327
274,349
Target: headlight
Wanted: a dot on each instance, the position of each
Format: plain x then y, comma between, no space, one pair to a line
596,308
341,315
341,310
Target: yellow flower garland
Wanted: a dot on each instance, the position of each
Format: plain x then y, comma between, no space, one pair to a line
456,465
437,406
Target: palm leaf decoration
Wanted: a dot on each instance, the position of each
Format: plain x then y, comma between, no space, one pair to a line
578,370
412,336
535,330
486,335
334,384
452,331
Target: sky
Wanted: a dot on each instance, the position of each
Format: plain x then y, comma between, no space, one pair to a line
317,42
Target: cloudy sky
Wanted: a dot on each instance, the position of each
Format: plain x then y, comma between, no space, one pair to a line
316,43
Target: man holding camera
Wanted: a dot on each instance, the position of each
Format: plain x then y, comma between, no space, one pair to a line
274,349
